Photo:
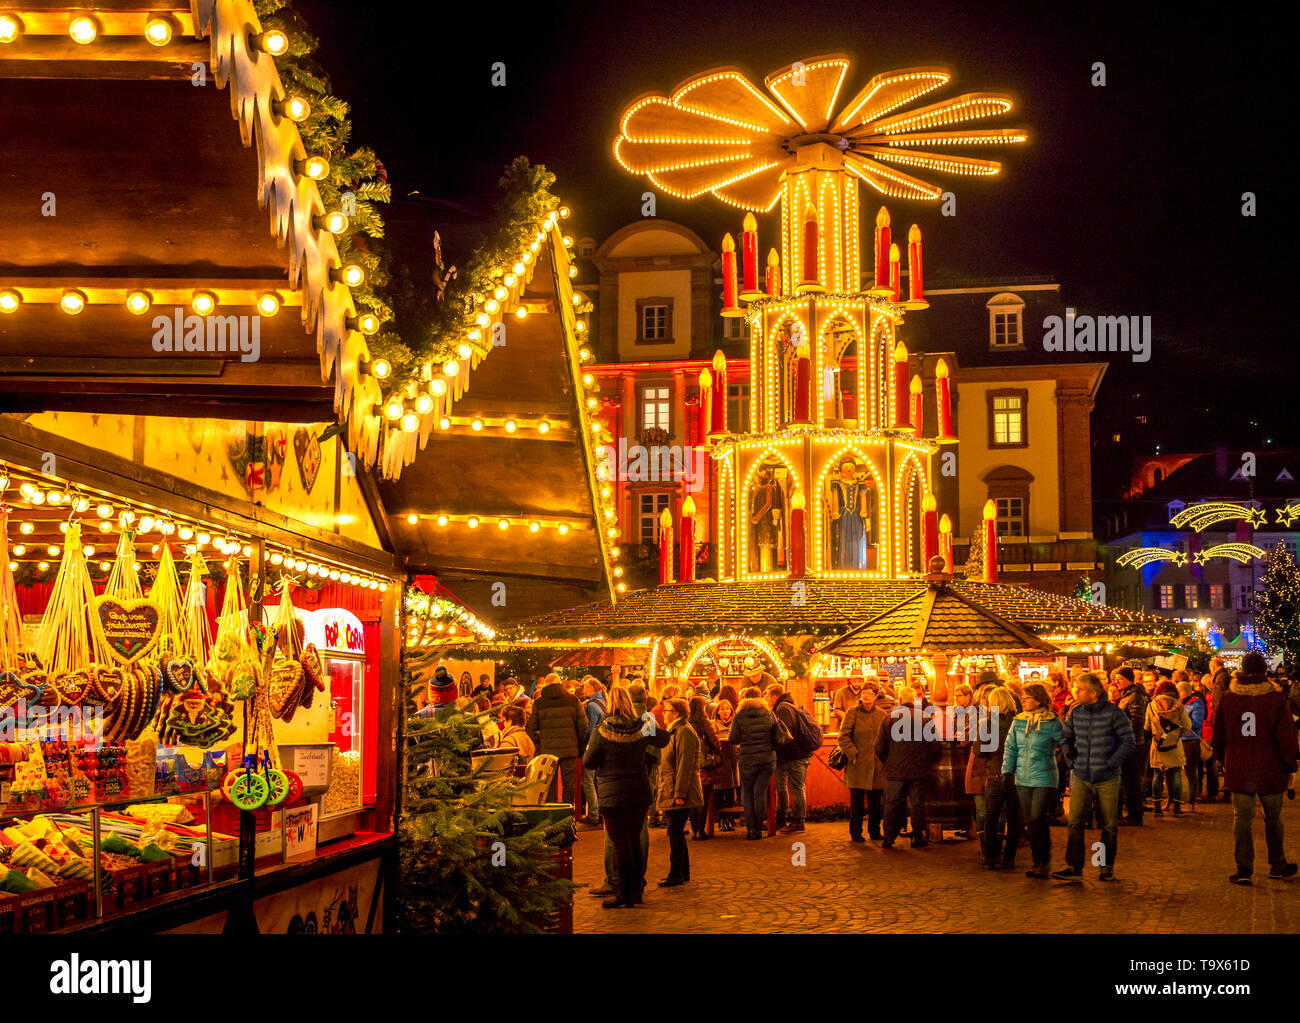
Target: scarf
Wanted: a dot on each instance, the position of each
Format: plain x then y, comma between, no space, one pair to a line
1035,718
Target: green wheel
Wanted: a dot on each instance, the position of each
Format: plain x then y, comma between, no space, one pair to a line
249,791
279,786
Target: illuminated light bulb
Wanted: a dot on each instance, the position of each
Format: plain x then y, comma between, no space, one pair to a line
464,351
491,305
482,319
438,388
577,299
568,241
381,368
500,293
158,31
268,303
618,571
311,569
295,108
584,354
248,549
53,550
138,302
345,577
509,280
166,528
301,566
442,520
80,504
203,302
573,271
424,404
383,587
272,41
43,566
20,549
393,410
503,523
315,167
521,312
185,533
472,522
10,28
88,551
564,212
518,268
614,552
444,423
476,424
532,247
103,566
334,222
334,575
451,368
83,30
105,525
10,300
410,422
580,326
277,558
621,587
205,538
533,527
351,275
72,301
592,403
564,528
543,427
26,527
511,426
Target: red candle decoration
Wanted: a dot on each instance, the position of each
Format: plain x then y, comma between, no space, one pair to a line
945,543
798,548
686,532
901,412
749,260
990,541
882,250
895,283
810,280
718,416
773,273
943,403
917,417
706,401
802,384
665,547
730,307
915,282
929,531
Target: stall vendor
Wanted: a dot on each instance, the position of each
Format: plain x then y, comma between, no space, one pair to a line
845,699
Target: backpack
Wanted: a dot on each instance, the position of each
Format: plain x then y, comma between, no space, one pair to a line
807,733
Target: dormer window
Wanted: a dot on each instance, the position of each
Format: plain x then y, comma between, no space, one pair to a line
1006,313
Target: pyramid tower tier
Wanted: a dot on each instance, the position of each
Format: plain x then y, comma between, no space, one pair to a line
819,209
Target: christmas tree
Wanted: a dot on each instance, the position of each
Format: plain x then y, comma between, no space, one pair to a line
1277,608
467,861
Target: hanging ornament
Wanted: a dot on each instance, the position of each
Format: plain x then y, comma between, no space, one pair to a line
166,594
124,579
65,640
11,625
197,637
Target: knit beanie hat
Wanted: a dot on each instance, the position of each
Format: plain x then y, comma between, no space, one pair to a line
1125,673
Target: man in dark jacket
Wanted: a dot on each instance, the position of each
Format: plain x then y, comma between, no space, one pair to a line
791,766
908,750
1098,742
1132,699
1255,738
558,726
1220,679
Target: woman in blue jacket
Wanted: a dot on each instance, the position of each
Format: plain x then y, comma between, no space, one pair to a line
1030,756
1192,740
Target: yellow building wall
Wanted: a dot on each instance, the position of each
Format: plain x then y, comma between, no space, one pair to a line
674,284
1040,459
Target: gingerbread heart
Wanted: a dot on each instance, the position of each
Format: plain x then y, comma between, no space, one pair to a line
129,628
11,688
285,688
306,445
106,683
73,686
179,675
312,667
34,685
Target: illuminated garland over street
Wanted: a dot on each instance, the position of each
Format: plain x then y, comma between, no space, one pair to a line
1239,552
1201,516
1139,557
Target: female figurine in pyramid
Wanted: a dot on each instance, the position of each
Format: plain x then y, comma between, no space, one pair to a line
848,502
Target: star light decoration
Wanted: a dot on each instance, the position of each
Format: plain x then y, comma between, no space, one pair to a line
1287,515
1239,552
1139,557
1207,513
719,133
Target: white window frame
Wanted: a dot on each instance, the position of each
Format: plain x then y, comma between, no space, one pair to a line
658,502
663,405
1013,307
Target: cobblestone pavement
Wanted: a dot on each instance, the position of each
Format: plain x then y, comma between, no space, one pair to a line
1172,878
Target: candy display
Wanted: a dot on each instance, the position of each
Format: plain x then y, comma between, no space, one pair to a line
344,792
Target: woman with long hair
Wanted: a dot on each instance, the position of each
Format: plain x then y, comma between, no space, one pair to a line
710,765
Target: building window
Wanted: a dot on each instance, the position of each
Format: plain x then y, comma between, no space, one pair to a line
586,248
1008,419
1244,593
1005,315
1165,596
1191,596
1217,596
656,408
652,506
735,328
1011,516
738,407
654,321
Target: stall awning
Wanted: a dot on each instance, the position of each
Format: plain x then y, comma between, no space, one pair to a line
602,657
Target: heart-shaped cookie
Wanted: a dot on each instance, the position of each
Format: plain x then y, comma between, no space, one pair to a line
73,686
285,688
34,685
11,688
312,667
106,683
129,628
179,675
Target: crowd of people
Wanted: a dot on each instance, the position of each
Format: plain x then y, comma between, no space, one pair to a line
1113,744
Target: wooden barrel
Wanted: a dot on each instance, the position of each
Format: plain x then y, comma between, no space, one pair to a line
946,801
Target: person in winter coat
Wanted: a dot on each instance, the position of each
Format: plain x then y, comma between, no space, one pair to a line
710,765
845,700
619,755
753,738
1255,737
1030,756
975,766
1167,721
1132,699
908,750
515,735
865,773
559,727
1192,740
1098,742
594,706
999,787
791,775
679,788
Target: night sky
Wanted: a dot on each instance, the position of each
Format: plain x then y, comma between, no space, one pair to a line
1129,194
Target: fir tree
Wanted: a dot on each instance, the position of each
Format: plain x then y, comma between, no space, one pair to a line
1277,607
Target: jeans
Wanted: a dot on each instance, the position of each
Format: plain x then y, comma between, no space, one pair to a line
793,773
1083,794
1243,813
871,801
611,866
1192,751
679,857
1035,801
567,767
753,794
996,797
1174,777
1133,776
908,793
623,826
590,804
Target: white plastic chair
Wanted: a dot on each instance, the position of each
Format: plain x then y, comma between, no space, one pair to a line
537,779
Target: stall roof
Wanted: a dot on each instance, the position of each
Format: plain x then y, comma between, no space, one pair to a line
937,619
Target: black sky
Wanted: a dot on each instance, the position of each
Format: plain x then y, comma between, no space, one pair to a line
1129,194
